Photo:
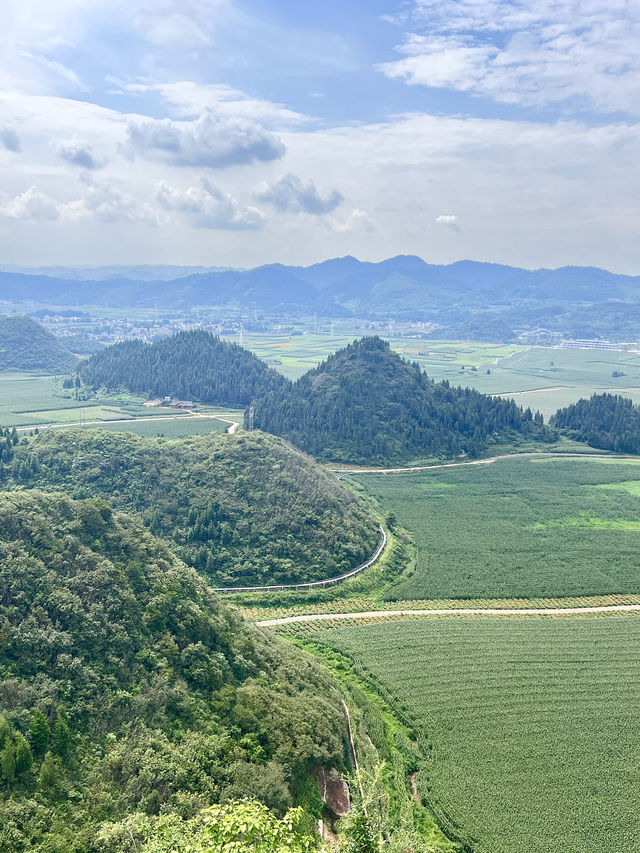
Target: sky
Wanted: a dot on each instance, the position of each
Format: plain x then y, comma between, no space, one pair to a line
238,132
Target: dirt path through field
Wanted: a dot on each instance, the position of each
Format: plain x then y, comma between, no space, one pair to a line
488,461
454,611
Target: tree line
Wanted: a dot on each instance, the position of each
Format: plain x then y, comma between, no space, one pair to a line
191,365
605,421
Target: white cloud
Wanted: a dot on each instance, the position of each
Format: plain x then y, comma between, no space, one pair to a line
210,141
191,99
110,200
356,220
290,194
31,205
206,206
534,54
78,153
177,23
10,139
446,219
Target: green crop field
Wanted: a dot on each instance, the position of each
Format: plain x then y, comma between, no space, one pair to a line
517,528
529,728
170,427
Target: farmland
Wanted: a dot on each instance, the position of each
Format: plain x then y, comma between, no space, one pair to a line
529,728
518,528
34,400
543,378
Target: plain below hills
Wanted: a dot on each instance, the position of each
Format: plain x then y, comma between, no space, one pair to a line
483,300
245,510
129,690
366,404
25,346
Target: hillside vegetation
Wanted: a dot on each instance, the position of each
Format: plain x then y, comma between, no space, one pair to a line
367,404
607,421
245,509
26,346
127,687
192,365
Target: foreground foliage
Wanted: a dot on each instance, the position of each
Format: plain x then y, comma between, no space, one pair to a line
246,509
192,365
230,828
528,730
366,404
127,687
607,421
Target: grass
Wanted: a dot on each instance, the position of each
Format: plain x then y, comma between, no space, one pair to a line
176,427
528,728
516,529
32,400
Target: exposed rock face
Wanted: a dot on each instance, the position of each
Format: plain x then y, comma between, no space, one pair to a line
333,789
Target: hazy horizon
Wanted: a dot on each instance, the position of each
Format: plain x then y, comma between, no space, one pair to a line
232,133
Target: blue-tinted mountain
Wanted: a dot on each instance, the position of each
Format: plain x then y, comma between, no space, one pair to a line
466,297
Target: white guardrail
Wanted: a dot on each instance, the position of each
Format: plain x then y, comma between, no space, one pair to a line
312,584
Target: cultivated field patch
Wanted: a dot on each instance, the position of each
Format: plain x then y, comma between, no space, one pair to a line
529,728
515,529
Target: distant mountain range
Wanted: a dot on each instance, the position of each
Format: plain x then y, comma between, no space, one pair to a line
483,300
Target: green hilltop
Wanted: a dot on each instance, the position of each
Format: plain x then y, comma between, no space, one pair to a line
366,404
190,365
128,690
246,509
27,346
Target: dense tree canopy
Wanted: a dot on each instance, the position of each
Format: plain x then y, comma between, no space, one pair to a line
127,688
25,345
192,365
246,509
607,421
367,404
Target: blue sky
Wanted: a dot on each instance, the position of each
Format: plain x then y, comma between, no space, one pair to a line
237,132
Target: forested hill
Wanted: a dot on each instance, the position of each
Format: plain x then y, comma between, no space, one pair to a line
366,404
128,689
245,510
193,365
607,421
25,345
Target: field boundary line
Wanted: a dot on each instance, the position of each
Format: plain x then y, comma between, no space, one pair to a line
454,611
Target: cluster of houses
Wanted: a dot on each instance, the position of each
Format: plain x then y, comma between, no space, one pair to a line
171,403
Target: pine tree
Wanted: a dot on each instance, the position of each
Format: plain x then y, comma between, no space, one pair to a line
61,735
40,733
24,756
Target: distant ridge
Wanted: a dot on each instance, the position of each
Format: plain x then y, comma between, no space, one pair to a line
25,345
478,299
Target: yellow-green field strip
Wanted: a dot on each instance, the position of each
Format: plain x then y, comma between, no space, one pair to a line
453,611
